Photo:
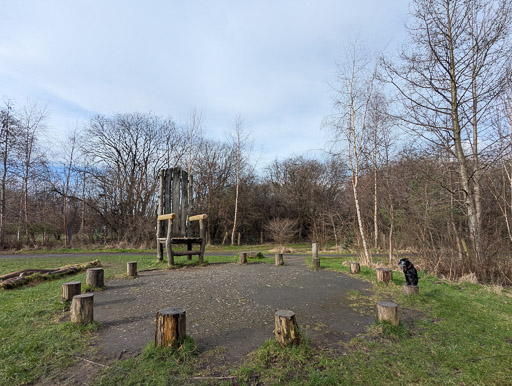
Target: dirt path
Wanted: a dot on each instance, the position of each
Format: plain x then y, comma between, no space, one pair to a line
230,308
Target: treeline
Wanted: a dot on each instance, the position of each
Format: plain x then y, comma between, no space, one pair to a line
420,160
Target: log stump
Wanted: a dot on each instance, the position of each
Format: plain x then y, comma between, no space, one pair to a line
95,277
82,309
279,259
242,258
70,289
384,275
131,268
286,330
410,289
355,268
171,327
387,311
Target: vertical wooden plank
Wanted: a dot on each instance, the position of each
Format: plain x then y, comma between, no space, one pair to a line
159,229
176,176
184,202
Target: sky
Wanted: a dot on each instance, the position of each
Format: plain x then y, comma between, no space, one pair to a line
271,61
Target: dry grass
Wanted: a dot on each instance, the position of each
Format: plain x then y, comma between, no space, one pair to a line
469,278
283,249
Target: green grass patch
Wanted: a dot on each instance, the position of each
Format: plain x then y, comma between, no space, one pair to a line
450,334
154,366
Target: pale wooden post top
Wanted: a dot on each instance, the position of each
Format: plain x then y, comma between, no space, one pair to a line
198,217
285,313
170,216
387,304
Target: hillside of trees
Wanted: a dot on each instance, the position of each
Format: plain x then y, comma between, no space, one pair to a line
420,160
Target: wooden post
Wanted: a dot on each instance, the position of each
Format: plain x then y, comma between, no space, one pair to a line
384,274
82,308
355,268
387,311
70,289
286,331
202,235
242,258
315,261
279,259
171,327
131,268
95,277
159,246
410,289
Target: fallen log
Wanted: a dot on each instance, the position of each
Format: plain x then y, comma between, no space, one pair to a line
19,278
23,272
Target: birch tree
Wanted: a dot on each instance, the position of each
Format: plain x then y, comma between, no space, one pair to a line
239,141
354,92
448,79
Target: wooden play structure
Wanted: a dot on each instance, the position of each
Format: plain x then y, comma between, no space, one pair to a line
174,223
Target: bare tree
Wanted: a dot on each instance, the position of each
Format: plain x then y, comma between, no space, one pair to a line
32,124
281,230
450,76
127,151
354,93
239,142
8,135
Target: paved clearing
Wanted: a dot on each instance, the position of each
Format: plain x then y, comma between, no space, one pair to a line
230,308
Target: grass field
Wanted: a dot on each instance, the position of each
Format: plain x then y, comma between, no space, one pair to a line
456,334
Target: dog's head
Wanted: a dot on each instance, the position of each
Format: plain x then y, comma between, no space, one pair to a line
404,263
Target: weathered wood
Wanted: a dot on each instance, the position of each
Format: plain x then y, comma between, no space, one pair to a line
198,217
314,250
202,235
279,259
159,230
355,268
171,327
242,258
185,229
95,277
177,202
410,289
131,268
16,279
286,330
387,311
82,308
23,273
70,289
315,261
384,275
169,216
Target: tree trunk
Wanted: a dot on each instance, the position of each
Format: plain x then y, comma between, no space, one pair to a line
70,289
131,268
82,309
387,311
95,277
171,327
384,275
286,330
279,259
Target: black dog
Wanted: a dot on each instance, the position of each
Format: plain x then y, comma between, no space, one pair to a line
411,275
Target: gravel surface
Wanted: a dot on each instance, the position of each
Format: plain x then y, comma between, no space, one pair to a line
230,308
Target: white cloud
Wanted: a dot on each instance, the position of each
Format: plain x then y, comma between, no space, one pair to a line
268,60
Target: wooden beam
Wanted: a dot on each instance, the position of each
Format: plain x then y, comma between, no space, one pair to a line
170,216
198,217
